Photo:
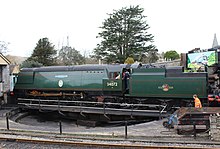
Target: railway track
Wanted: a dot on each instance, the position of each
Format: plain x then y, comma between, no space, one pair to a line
53,140
29,137
94,145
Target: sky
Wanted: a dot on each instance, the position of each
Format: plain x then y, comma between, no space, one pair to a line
180,25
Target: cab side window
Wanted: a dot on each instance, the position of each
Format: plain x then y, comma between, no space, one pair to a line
114,75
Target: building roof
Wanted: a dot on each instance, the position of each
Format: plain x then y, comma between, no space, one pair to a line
4,60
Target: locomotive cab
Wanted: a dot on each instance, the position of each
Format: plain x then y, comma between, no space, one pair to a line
113,84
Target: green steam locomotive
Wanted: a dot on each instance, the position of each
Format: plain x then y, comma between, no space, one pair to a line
106,89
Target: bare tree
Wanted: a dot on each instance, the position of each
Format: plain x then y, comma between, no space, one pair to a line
3,46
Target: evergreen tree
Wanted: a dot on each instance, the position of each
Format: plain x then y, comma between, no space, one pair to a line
30,64
44,53
171,55
124,33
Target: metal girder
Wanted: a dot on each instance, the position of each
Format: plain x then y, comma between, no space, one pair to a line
97,110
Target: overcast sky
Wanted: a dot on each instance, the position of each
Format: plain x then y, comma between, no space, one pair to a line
180,25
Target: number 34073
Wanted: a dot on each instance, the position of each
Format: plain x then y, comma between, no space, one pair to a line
112,84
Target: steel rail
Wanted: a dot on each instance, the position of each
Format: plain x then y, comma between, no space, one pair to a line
105,143
99,137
